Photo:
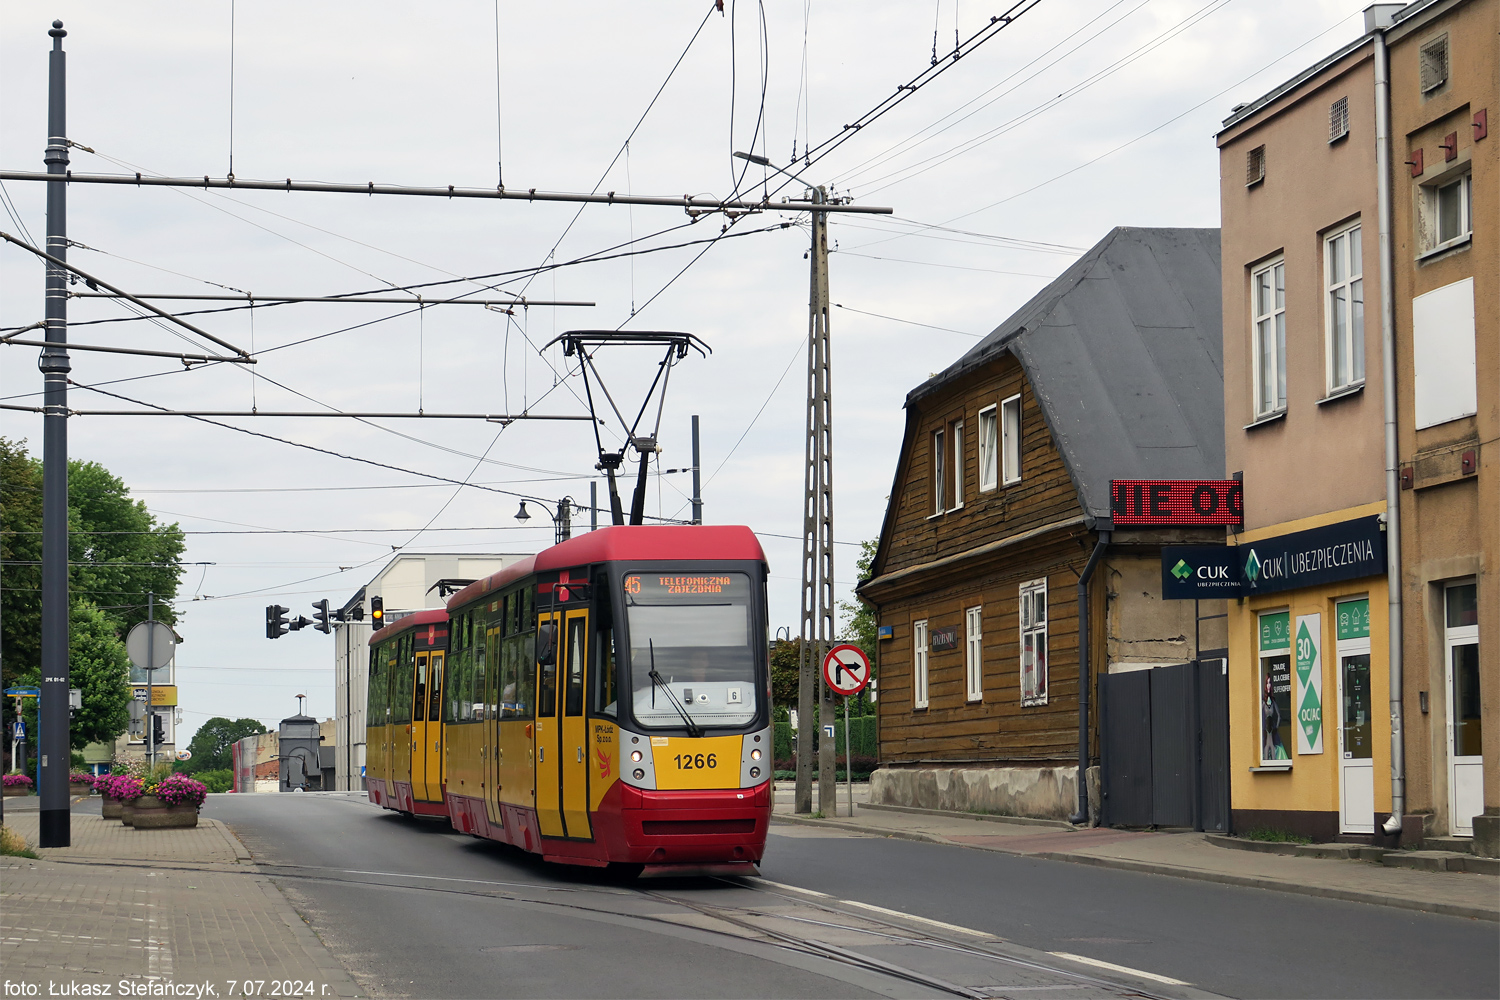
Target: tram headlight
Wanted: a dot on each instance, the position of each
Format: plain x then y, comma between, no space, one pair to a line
755,772
755,754
638,774
635,755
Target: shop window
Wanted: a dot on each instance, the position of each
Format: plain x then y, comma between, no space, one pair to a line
989,449
1344,308
1034,642
1274,683
1268,326
919,664
974,652
1010,435
1356,700
1461,614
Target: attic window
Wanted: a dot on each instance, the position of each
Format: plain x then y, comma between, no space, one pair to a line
1338,119
1433,60
1255,166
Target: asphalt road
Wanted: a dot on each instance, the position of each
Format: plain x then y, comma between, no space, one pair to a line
415,909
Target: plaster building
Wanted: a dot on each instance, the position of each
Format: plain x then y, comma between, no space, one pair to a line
1445,201
410,582
1355,282
1001,505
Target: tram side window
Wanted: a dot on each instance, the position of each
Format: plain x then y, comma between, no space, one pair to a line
476,678
375,700
492,688
577,631
546,658
419,697
459,644
464,682
435,687
606,675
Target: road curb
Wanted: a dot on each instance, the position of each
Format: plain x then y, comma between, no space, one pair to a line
1151,868
1056,824
241,852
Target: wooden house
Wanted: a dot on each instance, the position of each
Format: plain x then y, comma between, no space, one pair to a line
1001,496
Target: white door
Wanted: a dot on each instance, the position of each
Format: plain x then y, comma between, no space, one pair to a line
1465,764
1461,661
1356,752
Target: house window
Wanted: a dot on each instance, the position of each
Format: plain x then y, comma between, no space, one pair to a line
1010,439
1274,684
974,650
919,664
956,431
989,449
939,472
1034,642
1344,308
1268,320
1432,60
1255,166
1445,211
1338,119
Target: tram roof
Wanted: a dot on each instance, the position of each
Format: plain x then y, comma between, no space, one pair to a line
621,542
424,617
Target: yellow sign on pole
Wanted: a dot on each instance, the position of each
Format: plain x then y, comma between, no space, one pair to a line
162,695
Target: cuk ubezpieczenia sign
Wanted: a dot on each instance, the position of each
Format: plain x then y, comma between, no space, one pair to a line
1347,550
1308,691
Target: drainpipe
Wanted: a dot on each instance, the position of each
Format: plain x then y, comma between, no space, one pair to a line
1388,385
1082,815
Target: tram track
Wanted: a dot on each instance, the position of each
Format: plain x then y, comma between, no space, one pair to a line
825,917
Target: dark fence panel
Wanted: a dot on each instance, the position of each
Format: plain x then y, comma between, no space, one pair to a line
1213,713
1125,719
1172,739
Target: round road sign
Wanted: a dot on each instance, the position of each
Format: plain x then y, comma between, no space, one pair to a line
163,644
846,669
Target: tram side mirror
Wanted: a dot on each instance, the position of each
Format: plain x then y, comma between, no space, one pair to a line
546,645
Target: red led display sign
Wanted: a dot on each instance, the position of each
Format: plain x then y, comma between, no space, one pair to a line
1177,502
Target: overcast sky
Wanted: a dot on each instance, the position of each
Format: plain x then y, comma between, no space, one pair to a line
1080,116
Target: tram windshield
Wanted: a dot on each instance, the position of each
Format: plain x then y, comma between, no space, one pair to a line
693,632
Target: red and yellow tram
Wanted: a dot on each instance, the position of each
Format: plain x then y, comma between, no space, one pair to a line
605,701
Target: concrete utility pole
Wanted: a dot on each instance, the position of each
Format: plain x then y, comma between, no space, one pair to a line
697,470
817,535
55,827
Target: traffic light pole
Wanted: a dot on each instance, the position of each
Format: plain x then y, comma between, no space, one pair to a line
150,674
54,821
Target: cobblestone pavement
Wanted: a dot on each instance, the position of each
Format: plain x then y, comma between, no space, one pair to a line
151,908
1186,855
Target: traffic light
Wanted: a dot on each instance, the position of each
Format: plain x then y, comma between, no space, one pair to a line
276,621
158,730
377,612
320,609
298,624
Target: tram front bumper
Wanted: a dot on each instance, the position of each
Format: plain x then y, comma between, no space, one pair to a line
684,827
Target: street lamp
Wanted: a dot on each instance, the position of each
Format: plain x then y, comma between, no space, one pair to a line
521,514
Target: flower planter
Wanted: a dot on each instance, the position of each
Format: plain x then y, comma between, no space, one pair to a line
112,808
150,813
16,791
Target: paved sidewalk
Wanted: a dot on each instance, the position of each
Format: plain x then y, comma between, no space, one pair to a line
1185,855
146,908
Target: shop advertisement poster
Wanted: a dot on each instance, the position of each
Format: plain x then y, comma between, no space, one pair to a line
1309,693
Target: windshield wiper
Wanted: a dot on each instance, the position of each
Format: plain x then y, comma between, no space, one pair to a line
694,730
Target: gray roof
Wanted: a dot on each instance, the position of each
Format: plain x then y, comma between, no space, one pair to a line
1124,353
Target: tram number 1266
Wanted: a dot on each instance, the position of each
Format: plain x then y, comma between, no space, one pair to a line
696,761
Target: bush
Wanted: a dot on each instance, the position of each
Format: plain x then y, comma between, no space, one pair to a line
218,781
178,790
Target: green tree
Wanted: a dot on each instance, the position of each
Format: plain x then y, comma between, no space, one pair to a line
859,621
211,743
100,668
785,667
117,553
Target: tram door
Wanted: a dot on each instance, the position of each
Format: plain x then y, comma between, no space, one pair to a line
574,727
548,729
432,746
419,730
492,755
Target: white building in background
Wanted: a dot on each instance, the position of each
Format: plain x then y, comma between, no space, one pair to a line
410,582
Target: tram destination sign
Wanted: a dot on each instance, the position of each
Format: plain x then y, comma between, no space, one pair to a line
1167,503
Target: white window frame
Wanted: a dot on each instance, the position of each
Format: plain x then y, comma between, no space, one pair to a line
1010,439
1033,597
989,448
939,471
956,462
919,664
974,652
1270,320
1343,281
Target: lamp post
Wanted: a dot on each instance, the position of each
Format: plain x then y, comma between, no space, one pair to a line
817,517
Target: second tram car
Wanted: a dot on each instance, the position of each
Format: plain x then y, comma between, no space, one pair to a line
605,701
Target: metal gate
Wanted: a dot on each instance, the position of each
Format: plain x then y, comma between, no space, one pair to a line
1164,734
